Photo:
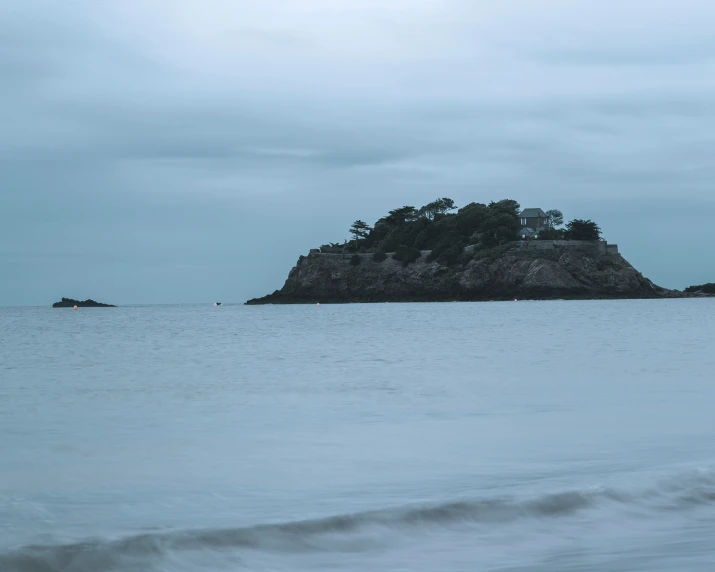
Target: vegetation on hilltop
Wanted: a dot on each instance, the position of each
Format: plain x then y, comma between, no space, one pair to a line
408,230
708,288
555,218
579,229
434,227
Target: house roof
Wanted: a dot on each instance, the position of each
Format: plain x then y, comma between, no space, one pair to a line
532,213
526,231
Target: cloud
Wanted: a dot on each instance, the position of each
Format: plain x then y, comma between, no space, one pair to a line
633,56
179,135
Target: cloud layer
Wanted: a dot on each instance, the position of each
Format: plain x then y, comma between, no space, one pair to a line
162,151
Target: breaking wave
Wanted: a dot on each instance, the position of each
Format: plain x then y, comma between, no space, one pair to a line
684,493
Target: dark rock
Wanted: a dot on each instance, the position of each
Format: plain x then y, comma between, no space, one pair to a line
70,303
563,270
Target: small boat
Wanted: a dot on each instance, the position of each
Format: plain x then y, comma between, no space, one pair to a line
217,303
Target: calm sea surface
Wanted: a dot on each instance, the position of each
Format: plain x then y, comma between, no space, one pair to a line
529,436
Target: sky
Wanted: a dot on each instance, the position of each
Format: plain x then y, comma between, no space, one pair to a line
167,151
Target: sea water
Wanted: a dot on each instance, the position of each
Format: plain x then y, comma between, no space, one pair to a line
539,436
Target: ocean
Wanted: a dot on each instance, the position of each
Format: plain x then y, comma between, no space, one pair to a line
519,436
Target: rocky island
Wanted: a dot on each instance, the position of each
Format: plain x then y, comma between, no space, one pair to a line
481,252
71,303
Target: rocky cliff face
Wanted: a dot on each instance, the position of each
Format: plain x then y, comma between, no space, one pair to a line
551,271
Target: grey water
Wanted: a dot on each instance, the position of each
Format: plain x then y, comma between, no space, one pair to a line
529,436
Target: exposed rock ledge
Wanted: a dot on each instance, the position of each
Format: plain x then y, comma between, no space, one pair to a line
70,303
524,270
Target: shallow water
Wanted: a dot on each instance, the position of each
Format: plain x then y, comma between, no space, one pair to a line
540,436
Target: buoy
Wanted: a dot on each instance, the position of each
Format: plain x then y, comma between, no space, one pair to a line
74,307
318,305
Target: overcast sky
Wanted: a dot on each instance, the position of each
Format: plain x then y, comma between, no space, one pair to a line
181,151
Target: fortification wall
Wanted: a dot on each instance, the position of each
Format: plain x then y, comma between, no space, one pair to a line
590,246
597,246
346,255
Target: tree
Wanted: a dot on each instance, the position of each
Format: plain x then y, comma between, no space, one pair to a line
469,219
379,256
438,207
708,288
402,215
501,223
406,254
497,229
555,218
359,229
579,229
447,254
506,206
551,234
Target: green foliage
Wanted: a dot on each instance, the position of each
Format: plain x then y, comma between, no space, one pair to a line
405,234
470,218
450,256
555,218
579,229
708,288
332,248
436,208
359,229
428,237
491,228
437,228
401,216
501,223
506,206
434,227
551,234
407,254
447,251
379,256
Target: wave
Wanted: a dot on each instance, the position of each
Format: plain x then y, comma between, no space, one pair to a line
684,493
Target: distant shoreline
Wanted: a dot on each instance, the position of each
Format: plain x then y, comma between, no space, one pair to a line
277,300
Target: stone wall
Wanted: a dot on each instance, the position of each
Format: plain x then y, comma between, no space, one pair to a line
347,255
597,246
591,246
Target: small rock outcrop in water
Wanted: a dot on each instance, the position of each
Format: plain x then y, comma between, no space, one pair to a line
70,303
524,270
